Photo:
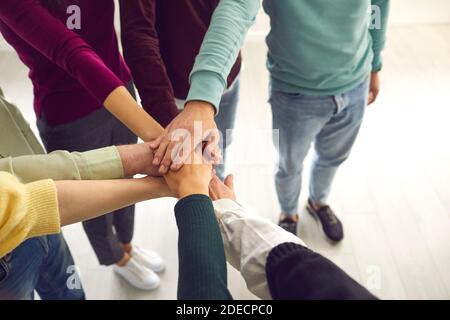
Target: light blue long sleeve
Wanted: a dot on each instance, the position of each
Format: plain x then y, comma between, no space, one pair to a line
220,48
379,34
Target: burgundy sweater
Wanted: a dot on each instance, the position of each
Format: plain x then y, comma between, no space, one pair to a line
73,71
161,39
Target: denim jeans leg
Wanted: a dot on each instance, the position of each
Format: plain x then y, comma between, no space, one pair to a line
335,141
225,122
298,119
58,277
21,268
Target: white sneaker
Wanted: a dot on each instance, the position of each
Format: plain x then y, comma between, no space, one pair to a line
149,259
138,275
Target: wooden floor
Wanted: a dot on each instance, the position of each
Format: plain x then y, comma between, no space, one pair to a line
393,194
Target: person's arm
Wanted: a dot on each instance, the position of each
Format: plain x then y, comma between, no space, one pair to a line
220,48
296,273
35,25
248,240
378,32
100,164
25,211
378,35
202,263
41,207
275,263
76,203
141,51
62,165
123,106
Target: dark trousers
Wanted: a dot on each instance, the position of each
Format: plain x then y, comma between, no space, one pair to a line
97,130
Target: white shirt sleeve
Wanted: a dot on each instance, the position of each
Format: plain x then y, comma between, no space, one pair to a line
248,240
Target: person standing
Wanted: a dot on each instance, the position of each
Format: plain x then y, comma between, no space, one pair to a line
161,54
185,55
44,263
76,69
324,61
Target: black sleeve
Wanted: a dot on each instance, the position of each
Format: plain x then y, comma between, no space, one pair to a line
297,273
202,262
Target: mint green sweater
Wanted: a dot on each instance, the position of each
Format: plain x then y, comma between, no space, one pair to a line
324,47
319,47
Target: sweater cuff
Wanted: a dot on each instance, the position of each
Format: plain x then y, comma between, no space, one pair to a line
377,62
42,205
100,164
201,202
207,86
280,252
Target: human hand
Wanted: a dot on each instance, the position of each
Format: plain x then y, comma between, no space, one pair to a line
184,134
137,159
192,178
157,187
222,190
374,89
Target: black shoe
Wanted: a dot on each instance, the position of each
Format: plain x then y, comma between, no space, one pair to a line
289,223
331,225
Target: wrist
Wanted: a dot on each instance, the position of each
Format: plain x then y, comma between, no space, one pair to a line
203,106
190,188
134,158
160,187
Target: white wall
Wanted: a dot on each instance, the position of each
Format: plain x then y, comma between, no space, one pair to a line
420,11
403,12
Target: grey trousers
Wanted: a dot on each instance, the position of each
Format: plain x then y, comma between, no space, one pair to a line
97,130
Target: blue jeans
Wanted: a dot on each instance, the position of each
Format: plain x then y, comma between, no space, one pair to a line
44,264
225,121
331,122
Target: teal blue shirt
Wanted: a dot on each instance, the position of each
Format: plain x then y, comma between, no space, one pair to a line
315,46
324,47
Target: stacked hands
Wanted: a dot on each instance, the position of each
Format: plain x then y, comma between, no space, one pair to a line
184,153
193,128
186,150
196,176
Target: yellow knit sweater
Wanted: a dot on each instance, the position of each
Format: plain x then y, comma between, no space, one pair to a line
26,211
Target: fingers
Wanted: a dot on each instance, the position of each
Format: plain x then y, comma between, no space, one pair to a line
155,144
173,154
170,157
213,154
229,181
370,99
159,154
373,94
182,153
214,186
212,194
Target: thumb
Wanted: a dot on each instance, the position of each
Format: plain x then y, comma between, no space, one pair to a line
155,143
371,97
229,181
